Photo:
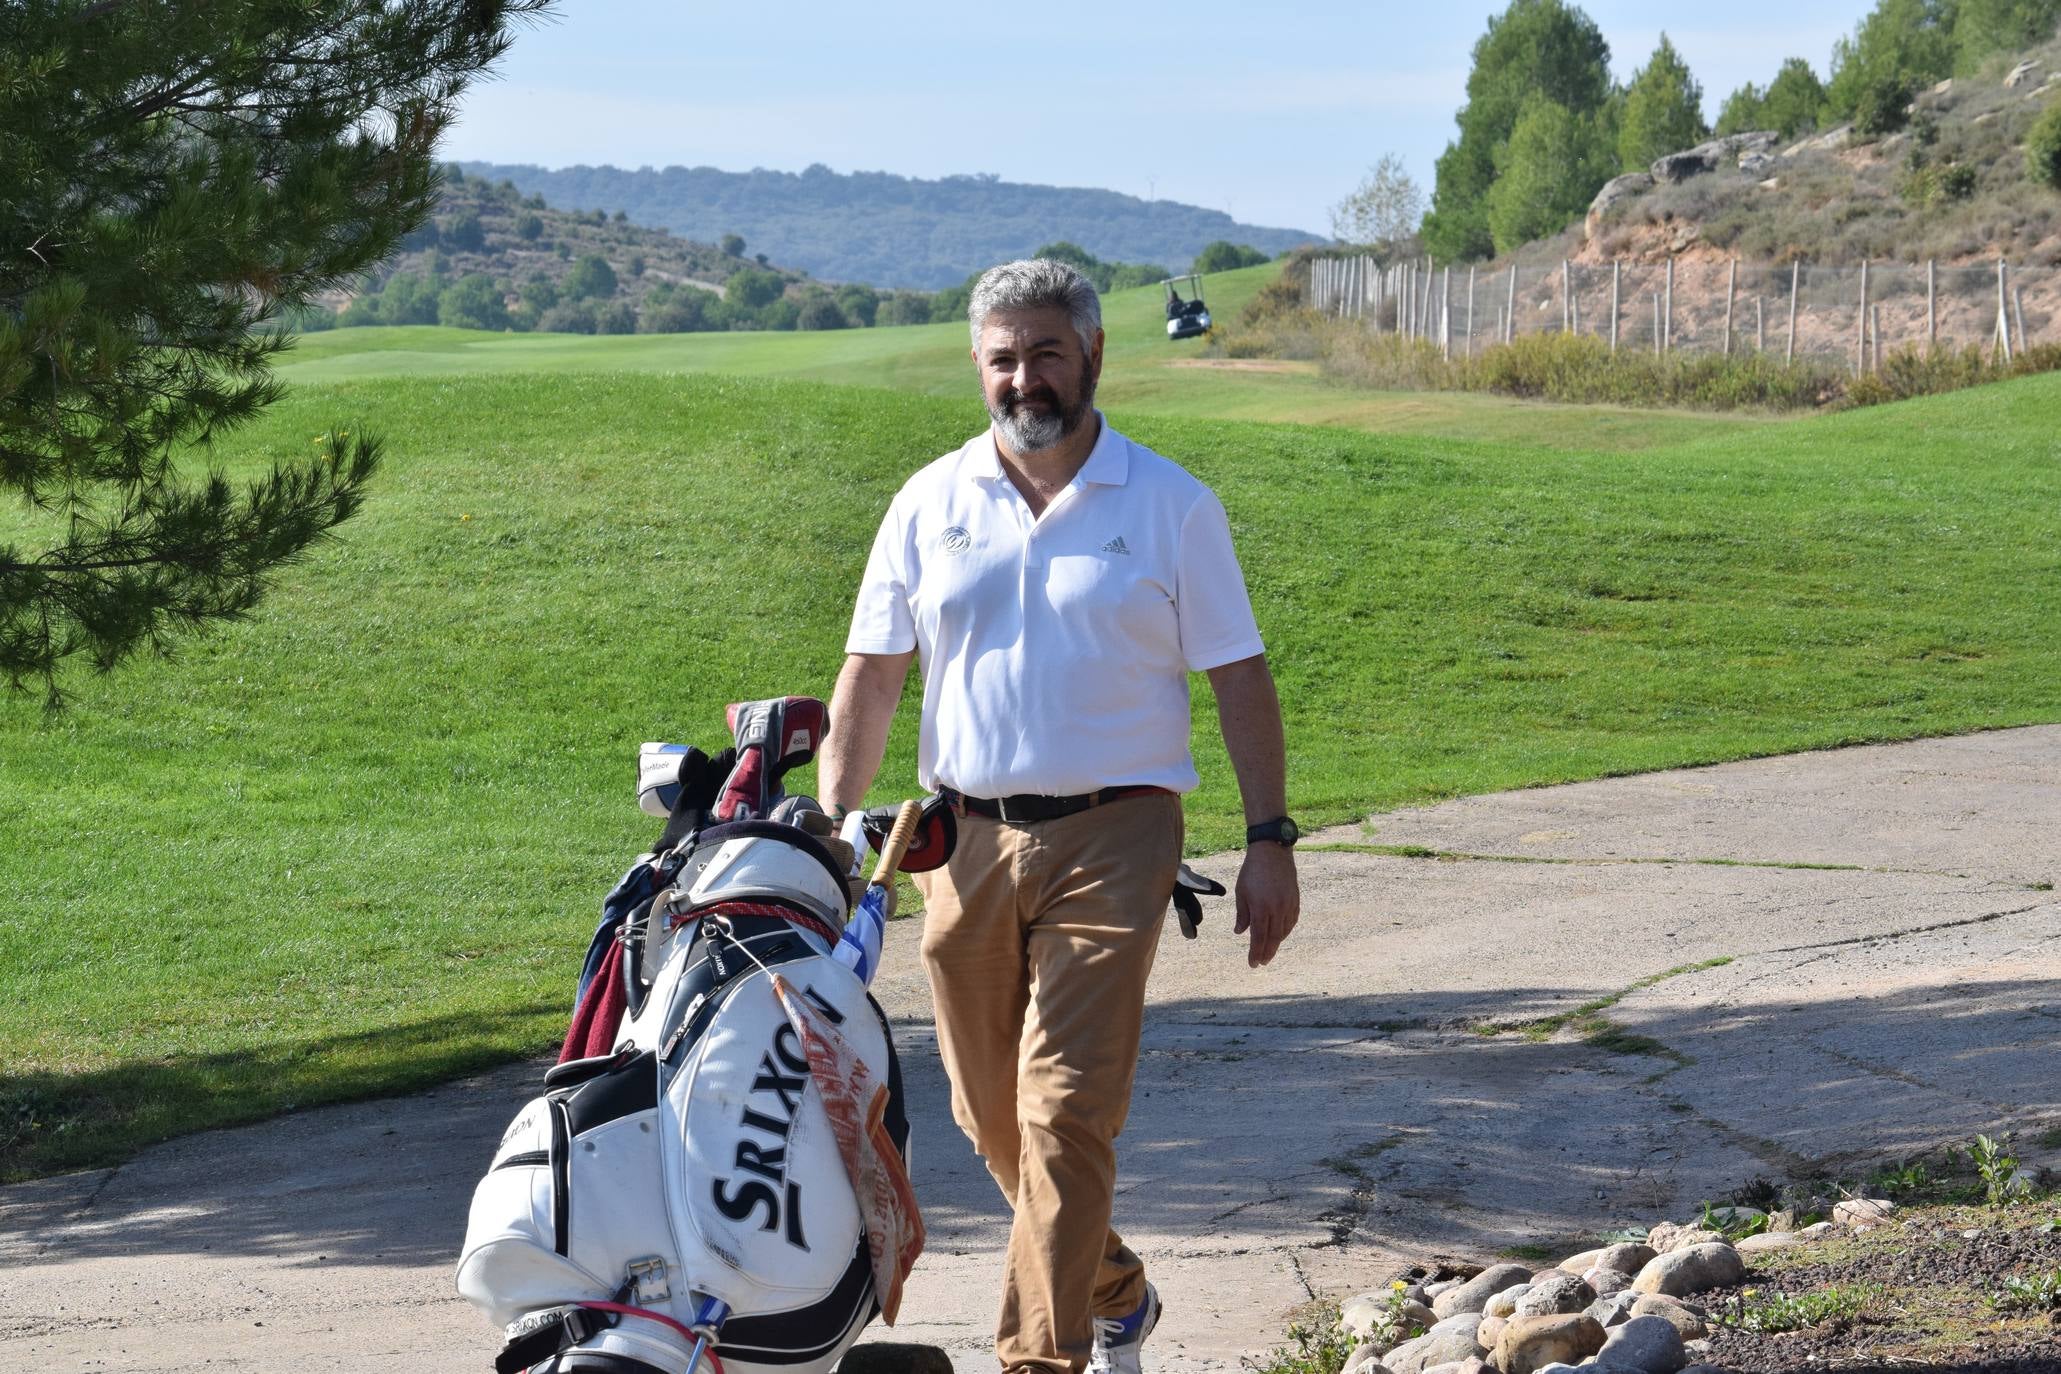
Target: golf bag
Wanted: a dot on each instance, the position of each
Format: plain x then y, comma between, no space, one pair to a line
719,1160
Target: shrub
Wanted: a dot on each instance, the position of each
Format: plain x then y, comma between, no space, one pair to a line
572,317
462,231
637,264
683,312
732,245
2043,148
472,302
1879,105
617,317
780,314
860,303
904,307
530,228
1225,256
591,276
749,289
821,312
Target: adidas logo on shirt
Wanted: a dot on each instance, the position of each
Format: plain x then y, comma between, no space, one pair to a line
1117,545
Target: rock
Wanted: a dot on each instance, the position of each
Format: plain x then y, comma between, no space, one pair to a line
1783,1219
896,1357
1414,1357
1708,157
1476,1365
1364,1359
1831,141
1474,1294
1461,1323
2021,73
1432,1290
1415,1293
1684,1237
1692,1270
1360,1315
1614,192
1490,1328
1661,1238
1530,1343
1449,1367
1771,184
1768,1240
1687,1320
1604,1282
1582,1263
1418,1316
1626,1256
1943,87
1616,1309
1817,1230
1504,1304
1751,163
1704,1368
1863,1211
1649,1344
1559,1294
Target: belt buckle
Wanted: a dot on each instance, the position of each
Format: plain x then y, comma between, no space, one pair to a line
1002,813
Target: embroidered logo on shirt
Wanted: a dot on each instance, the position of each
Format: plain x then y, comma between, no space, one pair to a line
1117,545
954,541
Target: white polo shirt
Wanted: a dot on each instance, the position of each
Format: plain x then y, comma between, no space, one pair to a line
1055,650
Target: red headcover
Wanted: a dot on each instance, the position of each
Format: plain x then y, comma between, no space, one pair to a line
772,737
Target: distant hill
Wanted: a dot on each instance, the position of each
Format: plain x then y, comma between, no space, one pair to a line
894,231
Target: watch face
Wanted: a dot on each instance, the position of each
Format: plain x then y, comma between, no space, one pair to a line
1290,831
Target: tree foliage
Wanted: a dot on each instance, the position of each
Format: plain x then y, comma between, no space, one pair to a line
1795,100
2043,149
172,177
472,302
1663,110
1383,211
1741,111
1546,173
1901,46
1985,28
1542,48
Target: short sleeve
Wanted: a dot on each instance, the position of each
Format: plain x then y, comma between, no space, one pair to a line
881,623
1209,594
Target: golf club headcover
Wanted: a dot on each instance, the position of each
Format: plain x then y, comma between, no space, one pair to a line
937,834
772,737
696,779
1189,889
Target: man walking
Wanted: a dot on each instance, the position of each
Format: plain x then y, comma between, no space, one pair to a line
1059,583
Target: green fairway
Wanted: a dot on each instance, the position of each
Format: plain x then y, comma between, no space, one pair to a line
1143,373
358,843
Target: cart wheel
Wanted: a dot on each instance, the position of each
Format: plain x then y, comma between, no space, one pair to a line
893,1357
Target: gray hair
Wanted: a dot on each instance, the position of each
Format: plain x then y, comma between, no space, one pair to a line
1037,284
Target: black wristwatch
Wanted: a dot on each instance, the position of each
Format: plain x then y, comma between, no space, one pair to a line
1282,831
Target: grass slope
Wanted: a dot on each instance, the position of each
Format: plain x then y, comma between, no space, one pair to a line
358,843
1143,374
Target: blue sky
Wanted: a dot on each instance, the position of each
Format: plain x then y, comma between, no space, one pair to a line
1270,112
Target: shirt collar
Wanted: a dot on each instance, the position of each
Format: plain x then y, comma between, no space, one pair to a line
1108,464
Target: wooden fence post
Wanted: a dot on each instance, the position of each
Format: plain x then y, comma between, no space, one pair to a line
1795,272
1760,328
1875,338
1931,307
2003,319
1657,345
1731,290
1510,308
1616,280
1566,294
1860,357
1667,324
1470,310
1445,311
2018,313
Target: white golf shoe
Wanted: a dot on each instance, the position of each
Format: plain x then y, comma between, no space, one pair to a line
1118,1340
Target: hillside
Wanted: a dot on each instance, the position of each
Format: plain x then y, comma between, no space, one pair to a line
894,231
520,240
1952,186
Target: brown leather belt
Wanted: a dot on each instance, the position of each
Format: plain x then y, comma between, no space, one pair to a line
1028,808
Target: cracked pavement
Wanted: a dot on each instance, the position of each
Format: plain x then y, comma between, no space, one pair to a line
1893,982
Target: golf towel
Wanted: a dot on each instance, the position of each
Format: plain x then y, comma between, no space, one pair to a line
857,1108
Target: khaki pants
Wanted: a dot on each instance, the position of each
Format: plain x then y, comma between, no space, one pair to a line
1038,940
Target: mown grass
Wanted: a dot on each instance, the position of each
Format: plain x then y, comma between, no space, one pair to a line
1143,373
358,843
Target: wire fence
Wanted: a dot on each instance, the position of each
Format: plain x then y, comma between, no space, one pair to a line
1849,315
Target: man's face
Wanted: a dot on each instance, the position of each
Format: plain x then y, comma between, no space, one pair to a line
1038,383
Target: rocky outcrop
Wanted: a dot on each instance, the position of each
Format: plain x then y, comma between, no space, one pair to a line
1708,157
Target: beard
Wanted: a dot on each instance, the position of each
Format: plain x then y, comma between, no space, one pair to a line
1035,421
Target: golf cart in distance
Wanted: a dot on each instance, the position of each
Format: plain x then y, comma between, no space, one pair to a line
1186,317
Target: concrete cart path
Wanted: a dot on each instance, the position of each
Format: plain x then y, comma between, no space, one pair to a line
1297,1128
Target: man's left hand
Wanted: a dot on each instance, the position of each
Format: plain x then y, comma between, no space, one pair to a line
1269,899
